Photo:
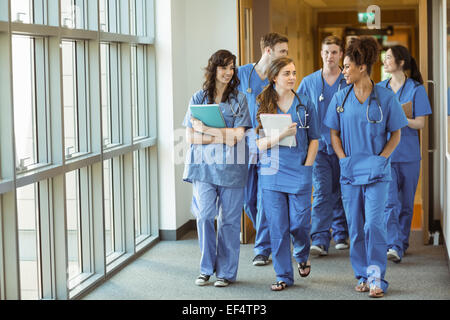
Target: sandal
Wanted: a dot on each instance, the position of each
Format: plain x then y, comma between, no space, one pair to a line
362,287
302,267
279,286
376,292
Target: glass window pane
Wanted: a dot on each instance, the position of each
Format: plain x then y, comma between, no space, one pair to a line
134,92
22,11
72,14
132,6
104,15
105,88
24,100
137,195
71,125
109,206
27,217
73,223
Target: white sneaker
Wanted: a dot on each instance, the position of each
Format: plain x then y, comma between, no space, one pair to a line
318,250
393,255
221,283
202,280
341,245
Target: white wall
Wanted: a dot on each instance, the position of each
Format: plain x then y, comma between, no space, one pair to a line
187,33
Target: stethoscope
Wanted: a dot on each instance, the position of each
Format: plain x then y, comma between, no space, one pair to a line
340,109
303,124
401,90
249,89
322,97
237,114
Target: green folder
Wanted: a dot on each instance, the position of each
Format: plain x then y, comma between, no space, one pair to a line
209,114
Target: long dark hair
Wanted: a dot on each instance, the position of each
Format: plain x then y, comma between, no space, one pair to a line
400,54
363,50
221,58
268,98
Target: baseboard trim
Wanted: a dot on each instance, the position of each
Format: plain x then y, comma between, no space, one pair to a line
174,235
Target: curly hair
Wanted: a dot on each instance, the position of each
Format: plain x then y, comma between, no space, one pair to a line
268,98
221,58
363,50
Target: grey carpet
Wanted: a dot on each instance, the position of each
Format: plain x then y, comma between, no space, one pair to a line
169,269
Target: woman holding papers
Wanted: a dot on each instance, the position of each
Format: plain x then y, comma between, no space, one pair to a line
216,165
286,172
365,122
405,160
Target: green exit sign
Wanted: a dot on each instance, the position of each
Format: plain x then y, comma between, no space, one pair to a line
364,17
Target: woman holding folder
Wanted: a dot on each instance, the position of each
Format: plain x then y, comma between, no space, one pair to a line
407,84
286,171
216,165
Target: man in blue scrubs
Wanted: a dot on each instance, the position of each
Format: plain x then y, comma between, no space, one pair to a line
253,78
327,210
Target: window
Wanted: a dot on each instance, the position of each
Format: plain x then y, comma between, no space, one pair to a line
111,106
27,216
30,112
72,14
22,11
75,111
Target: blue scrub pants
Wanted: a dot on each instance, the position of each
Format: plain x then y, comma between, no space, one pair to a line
364,207
289,217
254,210
327,209
400,204
222,255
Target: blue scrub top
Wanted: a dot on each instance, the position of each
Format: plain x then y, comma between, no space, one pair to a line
312,87
257,85
363,141
409,148
282,168
219,164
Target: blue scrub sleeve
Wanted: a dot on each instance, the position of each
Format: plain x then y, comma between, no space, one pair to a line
395,118
243,119
313,130
331,119
195,99
421,103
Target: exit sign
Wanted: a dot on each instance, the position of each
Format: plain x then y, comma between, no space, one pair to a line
364,17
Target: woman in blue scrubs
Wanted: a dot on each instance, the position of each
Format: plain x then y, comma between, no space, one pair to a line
405,160
286,172
365,122
216,165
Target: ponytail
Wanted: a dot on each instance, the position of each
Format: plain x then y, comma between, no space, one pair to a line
401,53
415,73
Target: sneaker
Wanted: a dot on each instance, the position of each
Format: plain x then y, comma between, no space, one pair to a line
221,282
202,280
260,260
341,245
393,256
318,250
